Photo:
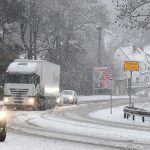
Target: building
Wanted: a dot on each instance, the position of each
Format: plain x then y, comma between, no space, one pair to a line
140,78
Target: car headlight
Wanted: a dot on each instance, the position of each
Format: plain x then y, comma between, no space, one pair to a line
6,99
58,100
3,115
31,101
71,97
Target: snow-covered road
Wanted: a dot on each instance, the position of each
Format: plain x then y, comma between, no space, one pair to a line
17,141
74,125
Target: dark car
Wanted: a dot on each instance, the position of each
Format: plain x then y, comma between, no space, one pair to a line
3,130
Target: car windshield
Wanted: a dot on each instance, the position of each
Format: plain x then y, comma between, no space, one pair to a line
67,92
19,78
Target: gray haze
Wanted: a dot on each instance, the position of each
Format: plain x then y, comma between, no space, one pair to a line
110,7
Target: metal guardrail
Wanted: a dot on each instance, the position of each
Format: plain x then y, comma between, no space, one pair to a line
135,111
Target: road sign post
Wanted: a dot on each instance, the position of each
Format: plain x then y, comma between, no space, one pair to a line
111,90
131,66
101,77
130,88
111,85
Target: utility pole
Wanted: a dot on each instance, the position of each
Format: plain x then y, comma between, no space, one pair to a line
3,27
130,88
100,46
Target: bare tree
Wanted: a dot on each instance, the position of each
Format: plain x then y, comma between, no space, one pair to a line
65,27
11,11
30,27
133,13
72,21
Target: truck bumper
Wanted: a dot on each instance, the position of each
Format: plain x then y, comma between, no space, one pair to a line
13,102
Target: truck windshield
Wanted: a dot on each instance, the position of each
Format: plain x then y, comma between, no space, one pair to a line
19,78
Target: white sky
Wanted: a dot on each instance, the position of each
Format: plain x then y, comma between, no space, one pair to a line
107,2
109,6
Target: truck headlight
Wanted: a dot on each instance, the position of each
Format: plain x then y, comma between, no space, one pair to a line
31,101
3,115
6,99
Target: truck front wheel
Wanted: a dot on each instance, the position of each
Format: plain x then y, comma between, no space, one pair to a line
9,107
35,107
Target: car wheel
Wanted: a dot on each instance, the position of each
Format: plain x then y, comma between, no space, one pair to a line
62,103
59,104
2,138
72,102
76,102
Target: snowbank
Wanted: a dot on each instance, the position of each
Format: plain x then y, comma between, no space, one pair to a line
101,97
118,115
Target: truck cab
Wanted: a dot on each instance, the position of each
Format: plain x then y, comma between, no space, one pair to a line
21,85
31,84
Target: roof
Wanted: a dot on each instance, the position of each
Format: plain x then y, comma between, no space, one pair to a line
28,60
138,55
68,90
22,67
147,50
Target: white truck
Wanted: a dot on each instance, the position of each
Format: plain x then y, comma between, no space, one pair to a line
31,84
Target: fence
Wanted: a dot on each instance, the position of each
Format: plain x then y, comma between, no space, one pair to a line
134,111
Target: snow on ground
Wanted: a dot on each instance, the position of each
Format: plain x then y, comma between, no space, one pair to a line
118,115
15,141
57,124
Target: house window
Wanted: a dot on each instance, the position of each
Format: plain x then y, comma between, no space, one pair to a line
137,80
145,66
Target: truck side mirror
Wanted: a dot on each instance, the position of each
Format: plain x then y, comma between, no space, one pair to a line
37,80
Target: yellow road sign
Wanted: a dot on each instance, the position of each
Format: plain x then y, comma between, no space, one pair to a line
131,65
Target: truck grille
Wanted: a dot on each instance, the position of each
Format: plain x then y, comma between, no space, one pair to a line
19,102
18,92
